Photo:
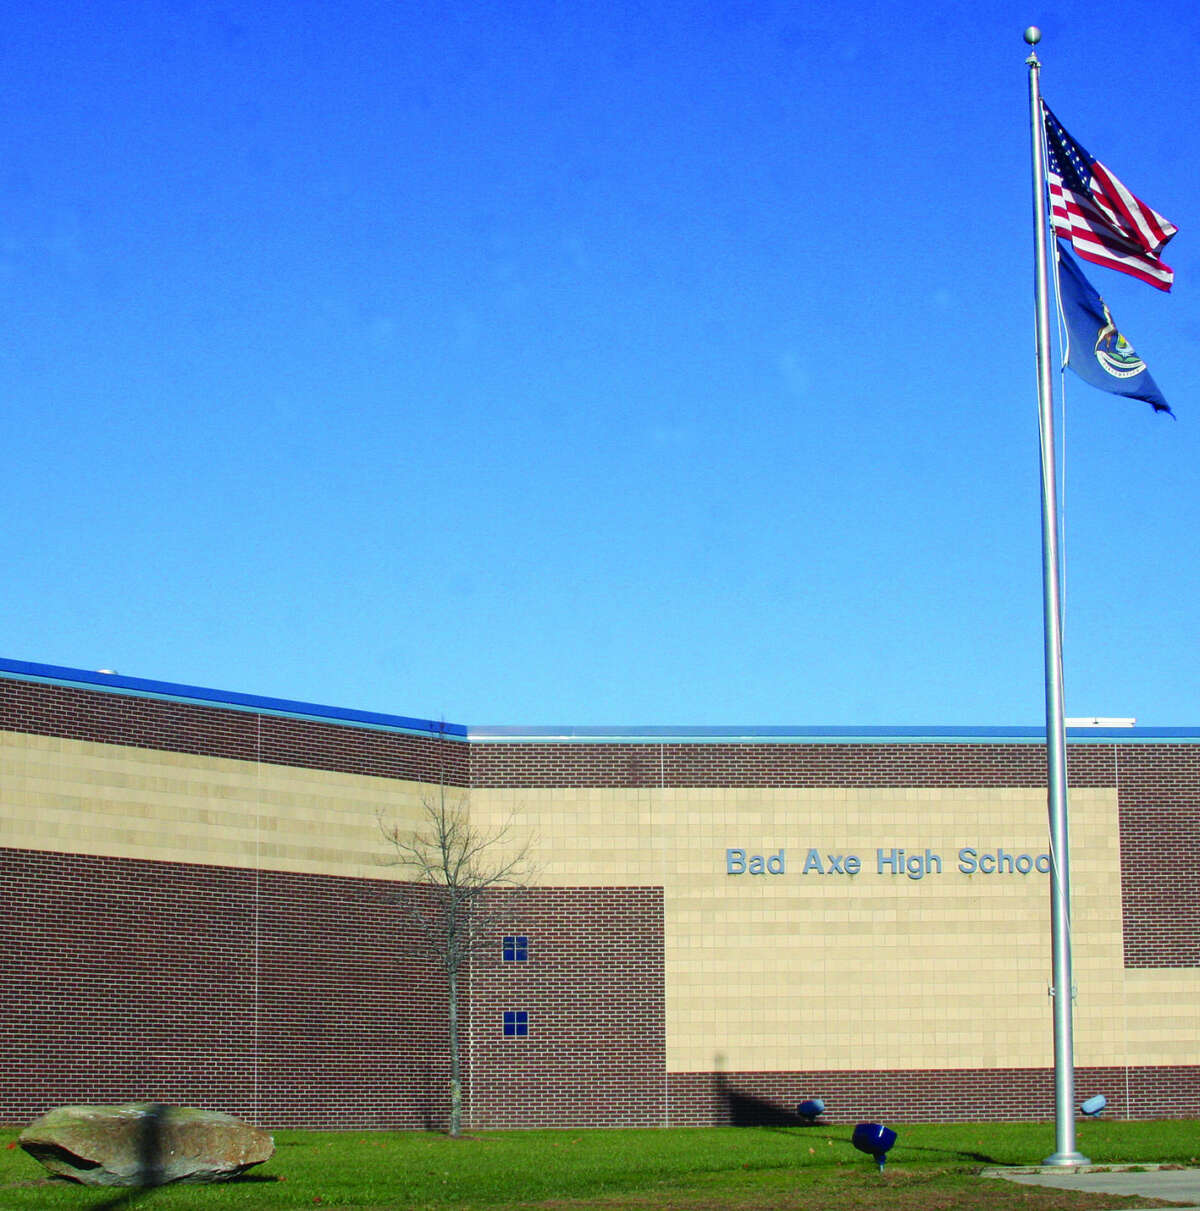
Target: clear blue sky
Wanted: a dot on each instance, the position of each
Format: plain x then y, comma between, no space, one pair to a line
550,363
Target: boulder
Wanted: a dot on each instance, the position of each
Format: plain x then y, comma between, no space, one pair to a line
144,1144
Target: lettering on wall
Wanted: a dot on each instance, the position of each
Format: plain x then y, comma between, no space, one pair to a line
913,864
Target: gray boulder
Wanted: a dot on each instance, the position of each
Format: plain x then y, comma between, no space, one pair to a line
143,1144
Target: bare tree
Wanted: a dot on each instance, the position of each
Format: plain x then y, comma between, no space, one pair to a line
459,866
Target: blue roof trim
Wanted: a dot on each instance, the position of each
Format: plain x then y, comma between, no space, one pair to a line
114,682
824,735
573,734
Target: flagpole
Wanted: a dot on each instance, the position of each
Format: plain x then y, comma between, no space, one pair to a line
1063,986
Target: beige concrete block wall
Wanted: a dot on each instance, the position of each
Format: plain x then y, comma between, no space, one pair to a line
80,797
793,971
1161,1022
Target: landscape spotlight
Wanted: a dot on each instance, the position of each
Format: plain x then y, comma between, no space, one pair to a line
1094,1105
875,1140
811,1109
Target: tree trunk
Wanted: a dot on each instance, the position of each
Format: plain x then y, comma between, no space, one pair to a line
455,1063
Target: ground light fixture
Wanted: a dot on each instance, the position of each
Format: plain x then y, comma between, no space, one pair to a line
811,1109
1094,1105
875,1140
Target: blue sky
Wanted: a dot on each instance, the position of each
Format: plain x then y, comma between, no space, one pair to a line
544,363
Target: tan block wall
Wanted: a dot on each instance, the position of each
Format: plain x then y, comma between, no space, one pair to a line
1161,1018
796,971
80,797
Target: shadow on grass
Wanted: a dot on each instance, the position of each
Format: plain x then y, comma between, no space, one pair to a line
745,1110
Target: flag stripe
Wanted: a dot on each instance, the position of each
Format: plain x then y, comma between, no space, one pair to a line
1083,223
1151,275
1105,222
1153,230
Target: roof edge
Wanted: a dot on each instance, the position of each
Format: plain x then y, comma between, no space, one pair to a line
822,734
116,683
231,700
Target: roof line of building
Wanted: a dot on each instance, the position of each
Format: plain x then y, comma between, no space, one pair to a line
574,734
144,688
844,734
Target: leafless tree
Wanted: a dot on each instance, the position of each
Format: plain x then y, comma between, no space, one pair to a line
458,866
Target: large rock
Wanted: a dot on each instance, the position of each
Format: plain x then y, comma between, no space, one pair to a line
144,1144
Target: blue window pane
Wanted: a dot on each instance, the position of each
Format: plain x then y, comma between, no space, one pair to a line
515,948
516,1023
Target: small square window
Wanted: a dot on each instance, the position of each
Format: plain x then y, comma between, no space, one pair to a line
516,948
516,1023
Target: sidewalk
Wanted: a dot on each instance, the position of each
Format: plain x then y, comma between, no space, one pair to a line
1146,1181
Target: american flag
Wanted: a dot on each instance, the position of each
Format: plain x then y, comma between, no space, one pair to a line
1105,223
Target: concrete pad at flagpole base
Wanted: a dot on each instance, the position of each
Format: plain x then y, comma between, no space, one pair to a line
1180,1186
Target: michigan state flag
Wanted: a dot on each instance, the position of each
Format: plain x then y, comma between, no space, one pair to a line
1096,350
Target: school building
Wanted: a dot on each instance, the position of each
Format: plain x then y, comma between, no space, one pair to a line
198,908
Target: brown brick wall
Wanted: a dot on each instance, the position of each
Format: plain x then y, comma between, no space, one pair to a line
593,987
946,1095
184,727
299,1000
114,718
1159,801
289,999
779,764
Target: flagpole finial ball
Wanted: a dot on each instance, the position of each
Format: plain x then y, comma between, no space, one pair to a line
1033,35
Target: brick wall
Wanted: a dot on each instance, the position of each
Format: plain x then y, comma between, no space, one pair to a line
593,987
184,727
289,999
107,717
780,764
299,1000
1159,800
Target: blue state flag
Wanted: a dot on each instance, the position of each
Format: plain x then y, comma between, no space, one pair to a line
1096,350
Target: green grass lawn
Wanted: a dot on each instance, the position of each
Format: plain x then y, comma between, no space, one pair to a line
746,1169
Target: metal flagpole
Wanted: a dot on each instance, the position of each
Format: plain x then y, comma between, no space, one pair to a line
1063,987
